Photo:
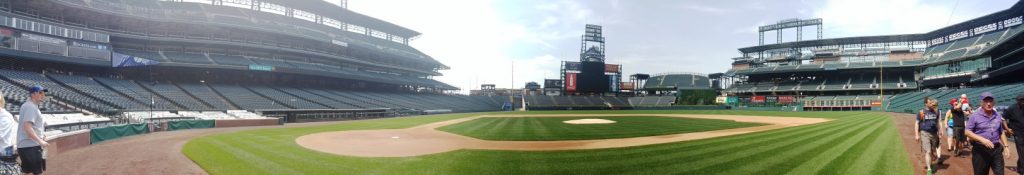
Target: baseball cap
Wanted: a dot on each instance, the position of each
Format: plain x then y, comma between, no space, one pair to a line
1020,97
986,95
952,102
37,88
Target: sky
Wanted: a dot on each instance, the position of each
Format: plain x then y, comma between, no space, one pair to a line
485,41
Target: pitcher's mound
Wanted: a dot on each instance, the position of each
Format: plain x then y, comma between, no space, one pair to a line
588,121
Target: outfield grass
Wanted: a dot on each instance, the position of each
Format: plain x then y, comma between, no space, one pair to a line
853,143
553,128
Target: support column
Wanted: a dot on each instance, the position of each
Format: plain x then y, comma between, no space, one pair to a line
799,33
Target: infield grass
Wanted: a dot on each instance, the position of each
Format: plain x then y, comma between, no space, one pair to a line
553,128
853,143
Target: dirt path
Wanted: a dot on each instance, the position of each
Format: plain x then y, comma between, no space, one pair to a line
950,164
155,153
426,139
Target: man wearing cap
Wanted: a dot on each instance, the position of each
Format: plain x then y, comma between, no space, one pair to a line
31,140
985,129
1014,115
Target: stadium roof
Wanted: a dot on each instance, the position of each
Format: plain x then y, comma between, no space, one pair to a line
1014,11
346,15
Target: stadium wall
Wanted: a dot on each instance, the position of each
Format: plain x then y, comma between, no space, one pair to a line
63,143
247,122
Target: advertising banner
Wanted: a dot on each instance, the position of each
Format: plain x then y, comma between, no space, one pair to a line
613,68
552,83
570,82
572,66
786,99
627,86
757,99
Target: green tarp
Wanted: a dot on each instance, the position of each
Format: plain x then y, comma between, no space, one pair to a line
189,124
113,132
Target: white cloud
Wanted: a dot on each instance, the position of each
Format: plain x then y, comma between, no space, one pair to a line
706,8
472,38
479,39
883,17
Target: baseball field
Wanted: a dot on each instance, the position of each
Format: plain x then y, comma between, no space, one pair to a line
847,143
553,128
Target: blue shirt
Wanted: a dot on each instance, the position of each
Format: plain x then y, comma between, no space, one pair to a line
987,126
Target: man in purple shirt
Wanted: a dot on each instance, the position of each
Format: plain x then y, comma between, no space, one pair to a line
985,129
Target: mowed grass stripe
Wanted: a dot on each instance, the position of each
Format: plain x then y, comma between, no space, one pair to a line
837,156
554,128
670,153
884,156
839,163
806,154
881,157
662,155
695,148
732,151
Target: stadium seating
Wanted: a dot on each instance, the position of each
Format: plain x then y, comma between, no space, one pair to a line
134,91
287,99
652,101
911,102
246,99
200,90
27,79
94,89
15,96
683,81
175,95
184,57
230,60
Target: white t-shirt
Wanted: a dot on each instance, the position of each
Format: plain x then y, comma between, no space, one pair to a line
8,130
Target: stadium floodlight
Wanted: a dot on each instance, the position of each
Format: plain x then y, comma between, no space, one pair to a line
788,23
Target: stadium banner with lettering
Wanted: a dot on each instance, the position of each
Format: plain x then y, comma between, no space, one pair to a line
786,99
720,100
45,39
876,103
743,99
757,99
613,83
771,99
122,60
731,100
626,86
89,45
552,83
6,38
570,82
261,67
613,68
572,66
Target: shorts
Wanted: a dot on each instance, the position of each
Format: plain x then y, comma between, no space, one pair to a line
929,142
949,131
32,160
958,134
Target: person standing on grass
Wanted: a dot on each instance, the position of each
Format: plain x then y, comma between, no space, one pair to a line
31,140
927,127
985,129
8,140
1014,115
